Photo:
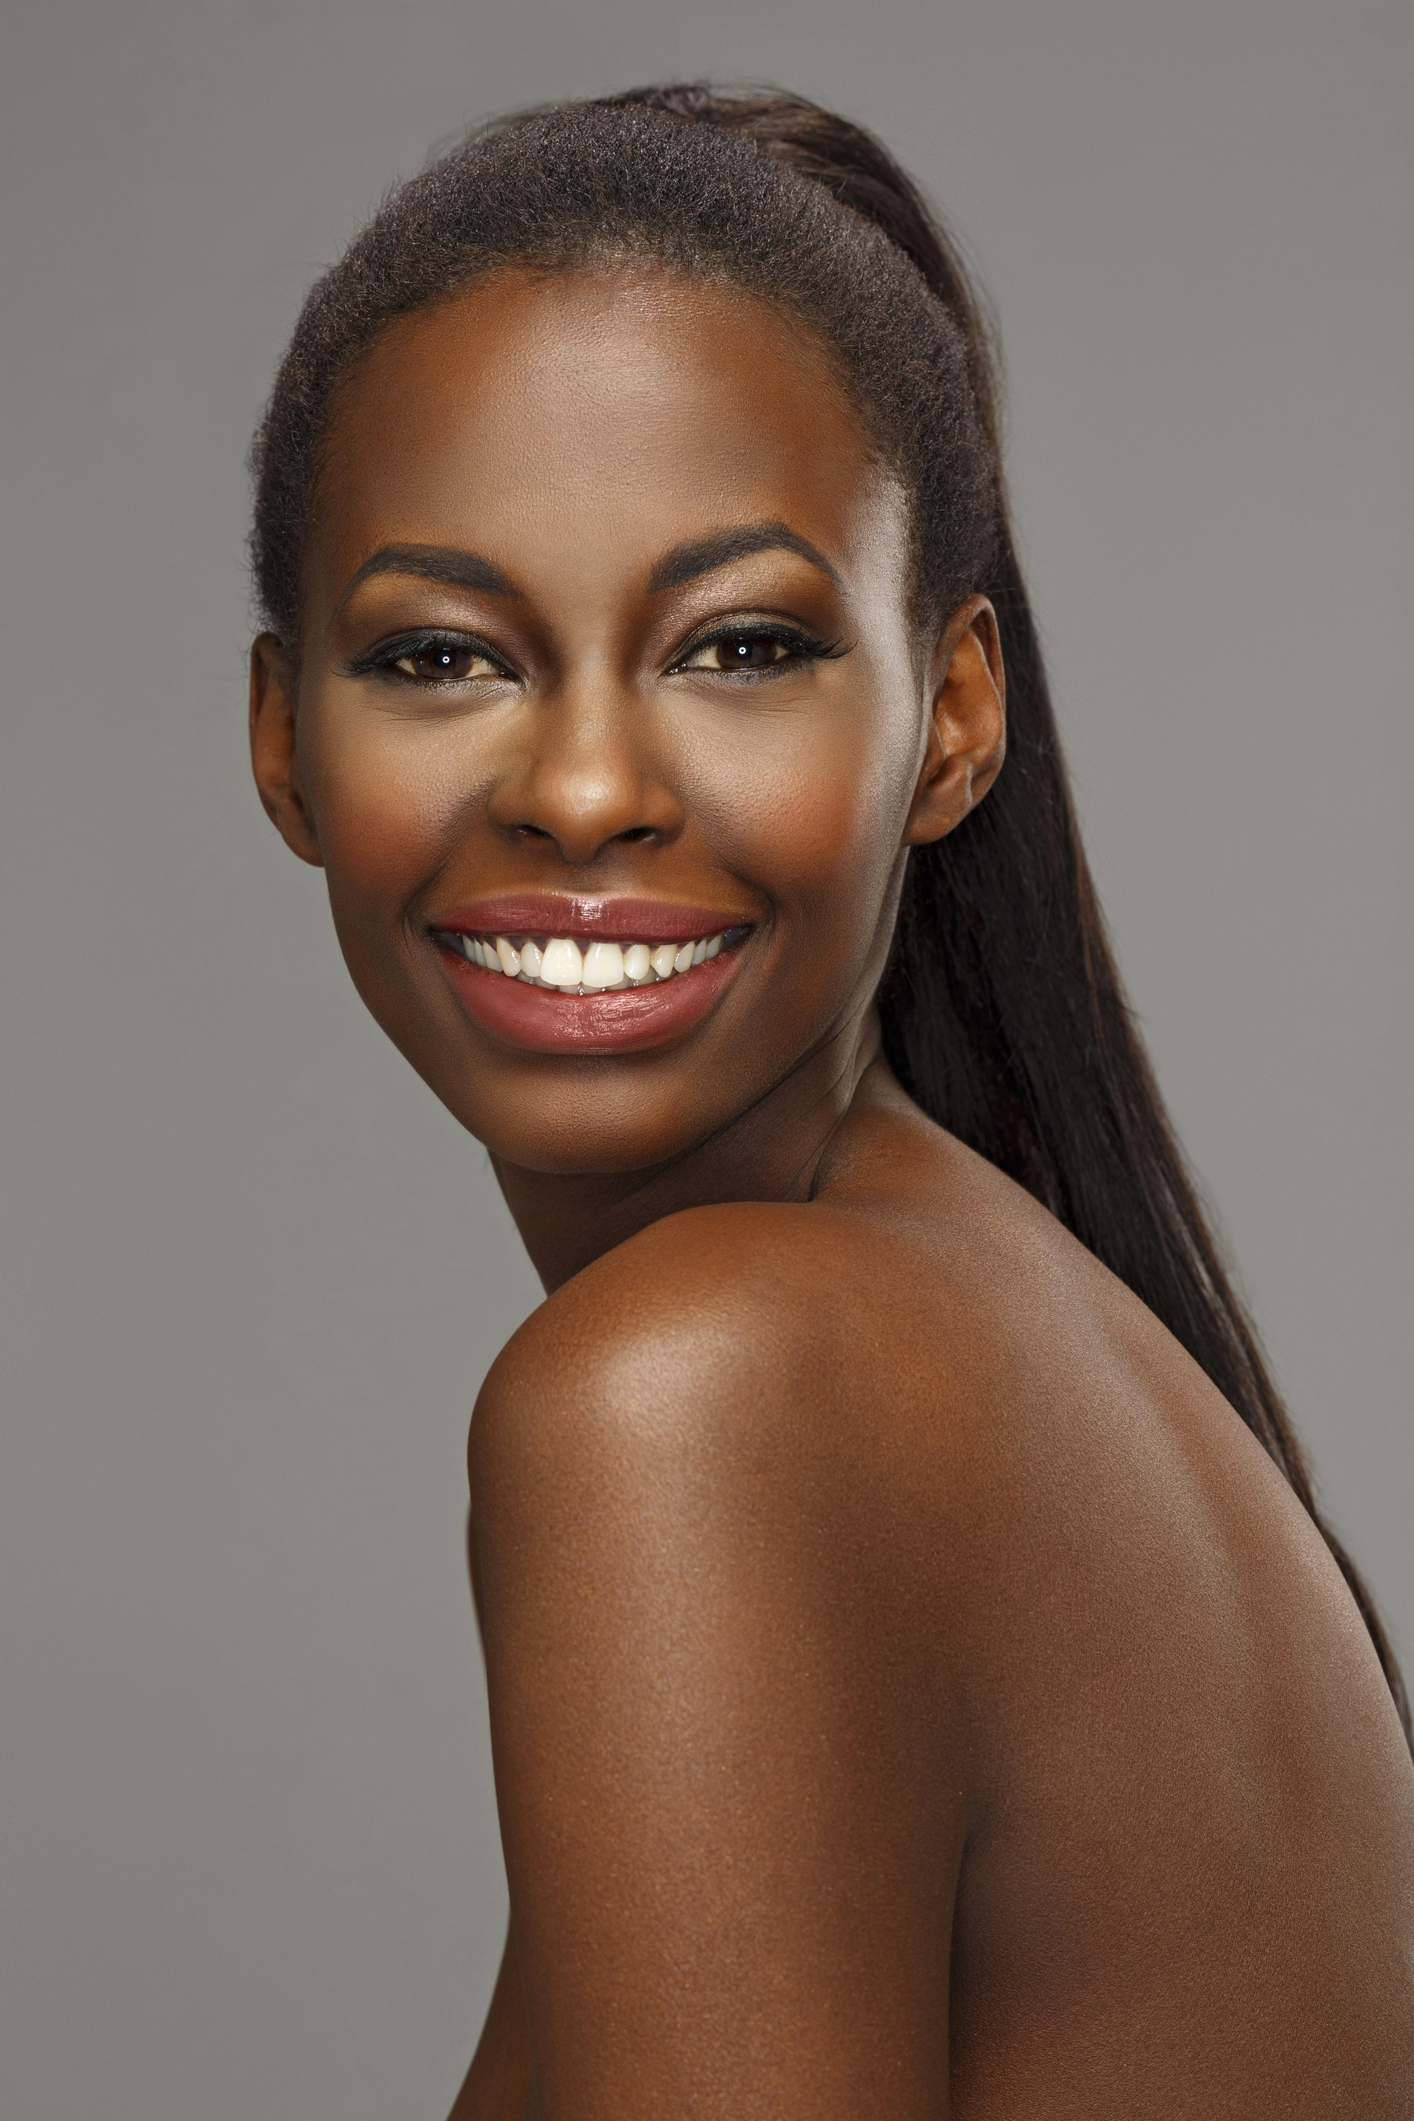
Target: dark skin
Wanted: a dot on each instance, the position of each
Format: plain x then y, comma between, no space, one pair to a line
913,1691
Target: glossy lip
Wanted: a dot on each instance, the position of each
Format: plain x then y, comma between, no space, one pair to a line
615,920
629,1021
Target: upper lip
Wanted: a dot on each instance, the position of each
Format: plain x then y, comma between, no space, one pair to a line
647,920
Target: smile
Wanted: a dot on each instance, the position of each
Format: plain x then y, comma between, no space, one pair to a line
597,966
582,976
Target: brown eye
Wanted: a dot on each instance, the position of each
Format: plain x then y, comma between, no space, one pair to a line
446,663
748,651
739,651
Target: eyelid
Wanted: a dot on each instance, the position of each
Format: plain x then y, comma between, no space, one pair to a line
384,654
791,633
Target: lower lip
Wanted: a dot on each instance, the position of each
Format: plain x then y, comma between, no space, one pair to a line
631,1021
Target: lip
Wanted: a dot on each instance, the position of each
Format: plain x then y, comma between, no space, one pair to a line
617,920
630,1021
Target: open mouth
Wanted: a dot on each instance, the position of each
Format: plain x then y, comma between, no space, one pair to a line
569,966
630,974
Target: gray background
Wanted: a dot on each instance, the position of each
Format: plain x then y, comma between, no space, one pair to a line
253,1274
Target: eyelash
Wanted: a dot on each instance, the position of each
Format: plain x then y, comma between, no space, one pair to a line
383,659
802,648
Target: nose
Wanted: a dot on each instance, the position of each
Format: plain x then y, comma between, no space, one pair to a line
588,777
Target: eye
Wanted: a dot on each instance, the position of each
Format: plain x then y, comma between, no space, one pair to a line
444,663
751,648
739,651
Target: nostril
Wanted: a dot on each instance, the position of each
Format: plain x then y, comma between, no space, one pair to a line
636,833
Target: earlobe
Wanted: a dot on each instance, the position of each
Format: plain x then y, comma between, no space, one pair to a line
273,756
966,736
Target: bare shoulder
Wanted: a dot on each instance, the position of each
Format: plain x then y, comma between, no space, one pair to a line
846,1378
790,1301
885,1553
715,1286
714,1728
718,1332
895,1341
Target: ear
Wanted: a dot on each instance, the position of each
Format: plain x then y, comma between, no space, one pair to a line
272,748
966,725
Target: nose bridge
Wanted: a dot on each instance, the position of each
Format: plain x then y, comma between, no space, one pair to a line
588,776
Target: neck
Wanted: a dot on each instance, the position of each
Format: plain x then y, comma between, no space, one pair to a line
775,1151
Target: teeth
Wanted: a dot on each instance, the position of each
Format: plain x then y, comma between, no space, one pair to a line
601,968
562,964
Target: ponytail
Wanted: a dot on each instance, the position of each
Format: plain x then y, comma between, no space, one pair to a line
1003,1013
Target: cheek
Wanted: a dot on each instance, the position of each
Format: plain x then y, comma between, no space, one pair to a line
385,798
817,814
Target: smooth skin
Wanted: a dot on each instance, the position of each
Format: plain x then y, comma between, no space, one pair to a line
913,1691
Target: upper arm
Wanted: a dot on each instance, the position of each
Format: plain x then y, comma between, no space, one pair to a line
730,1826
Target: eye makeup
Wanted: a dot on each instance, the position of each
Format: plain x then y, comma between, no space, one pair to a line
443,654
738,644
753,649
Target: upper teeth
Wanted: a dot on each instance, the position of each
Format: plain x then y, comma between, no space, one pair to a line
598,968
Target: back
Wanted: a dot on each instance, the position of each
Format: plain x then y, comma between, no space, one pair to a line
1096,1749
1188,1884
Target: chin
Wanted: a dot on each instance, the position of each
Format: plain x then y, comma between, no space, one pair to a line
547,1134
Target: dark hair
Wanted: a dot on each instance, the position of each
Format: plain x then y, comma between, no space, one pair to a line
1003,1013
627,180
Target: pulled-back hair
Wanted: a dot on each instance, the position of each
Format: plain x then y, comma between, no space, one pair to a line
586,184
1003,1014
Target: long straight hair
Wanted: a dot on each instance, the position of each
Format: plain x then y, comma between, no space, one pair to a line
1003,1012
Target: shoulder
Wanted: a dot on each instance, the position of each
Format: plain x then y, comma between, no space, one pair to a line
718,1329
736,1380
683,1493
699,1332
713,1716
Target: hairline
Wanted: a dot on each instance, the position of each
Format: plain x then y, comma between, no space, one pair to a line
606,262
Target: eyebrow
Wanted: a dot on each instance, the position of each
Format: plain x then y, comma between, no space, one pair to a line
434,563
685,562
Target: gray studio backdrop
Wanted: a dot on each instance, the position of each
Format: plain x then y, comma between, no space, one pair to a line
253,1273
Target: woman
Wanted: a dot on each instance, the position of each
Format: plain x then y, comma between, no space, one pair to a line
919,1680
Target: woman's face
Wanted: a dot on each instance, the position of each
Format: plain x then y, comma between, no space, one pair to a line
605,645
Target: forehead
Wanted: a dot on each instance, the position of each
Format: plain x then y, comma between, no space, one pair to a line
593,413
